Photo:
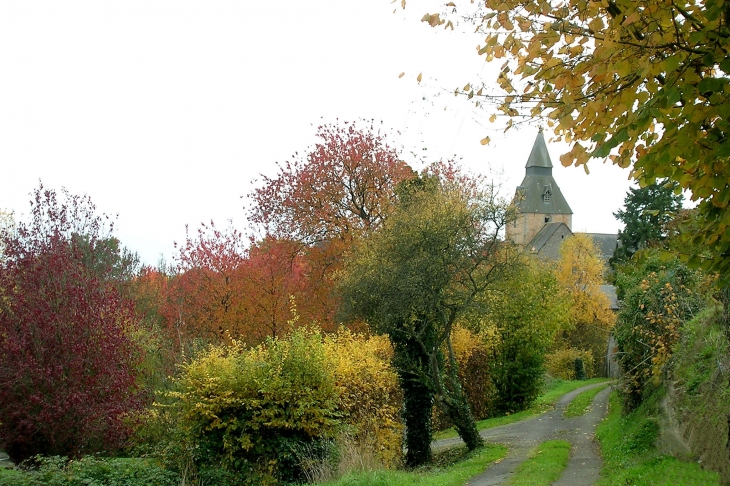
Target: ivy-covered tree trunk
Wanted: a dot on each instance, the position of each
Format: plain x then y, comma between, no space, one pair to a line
453,400
459,412
417,404
413,369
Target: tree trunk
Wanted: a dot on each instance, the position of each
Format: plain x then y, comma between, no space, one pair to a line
460,415
417,405
453,400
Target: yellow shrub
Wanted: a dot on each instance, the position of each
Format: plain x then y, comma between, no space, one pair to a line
369,396
472,353
250,409
561,363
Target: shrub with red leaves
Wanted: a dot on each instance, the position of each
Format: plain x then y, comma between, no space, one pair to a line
66,362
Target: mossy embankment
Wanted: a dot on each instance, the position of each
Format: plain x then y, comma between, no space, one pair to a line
679,434
695,408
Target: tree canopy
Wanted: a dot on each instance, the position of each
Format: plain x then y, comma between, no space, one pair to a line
642,83
341,187
415,277
67,359
646,212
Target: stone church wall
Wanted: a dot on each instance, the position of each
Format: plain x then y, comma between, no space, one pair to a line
526,226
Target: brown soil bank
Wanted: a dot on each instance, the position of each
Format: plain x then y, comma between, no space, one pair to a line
696,408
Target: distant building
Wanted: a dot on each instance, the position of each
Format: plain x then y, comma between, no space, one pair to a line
538,198
545,219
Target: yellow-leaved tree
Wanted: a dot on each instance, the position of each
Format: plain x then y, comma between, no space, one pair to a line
580,272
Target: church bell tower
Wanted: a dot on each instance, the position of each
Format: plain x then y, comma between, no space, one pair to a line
538,199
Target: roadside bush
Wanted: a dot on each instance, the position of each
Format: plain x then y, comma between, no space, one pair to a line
67,362
248,410
561,363
89,471
370,400
298,408
657,302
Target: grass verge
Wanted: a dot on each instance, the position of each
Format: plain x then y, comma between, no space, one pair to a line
629,455
553,391
452,468
544,465
582,403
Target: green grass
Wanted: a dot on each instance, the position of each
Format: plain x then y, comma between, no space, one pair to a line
553,391
544,465
455,474
629,455
582,403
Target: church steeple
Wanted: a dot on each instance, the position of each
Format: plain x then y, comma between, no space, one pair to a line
539,157
538,199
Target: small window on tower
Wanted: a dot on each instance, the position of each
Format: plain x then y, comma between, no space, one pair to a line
547,194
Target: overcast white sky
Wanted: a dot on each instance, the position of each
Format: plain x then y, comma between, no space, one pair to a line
164,111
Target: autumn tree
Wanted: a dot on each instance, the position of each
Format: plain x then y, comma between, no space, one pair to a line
339,189
336,192
580,272
66,357
273,281
208,288
643,83
646,213
414,278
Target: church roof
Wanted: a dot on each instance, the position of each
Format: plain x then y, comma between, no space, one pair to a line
606,243
539,193
546,232
539,157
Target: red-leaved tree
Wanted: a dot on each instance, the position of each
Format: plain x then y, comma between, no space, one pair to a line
274,280
342,188
66,362
207,292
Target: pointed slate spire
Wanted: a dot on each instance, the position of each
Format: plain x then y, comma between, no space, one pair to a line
539,193
539,157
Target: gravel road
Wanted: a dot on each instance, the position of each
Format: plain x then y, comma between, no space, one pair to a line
585,460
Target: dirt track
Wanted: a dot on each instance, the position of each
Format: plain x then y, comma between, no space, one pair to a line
585,460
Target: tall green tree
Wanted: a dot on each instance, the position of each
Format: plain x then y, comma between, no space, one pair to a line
647,210
644,83
436,254
526,310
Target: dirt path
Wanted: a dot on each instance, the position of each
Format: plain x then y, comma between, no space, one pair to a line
585,460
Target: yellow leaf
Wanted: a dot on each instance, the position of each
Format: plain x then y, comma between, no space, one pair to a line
420,76
402,74
493,118
451,4
485,140
631,18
